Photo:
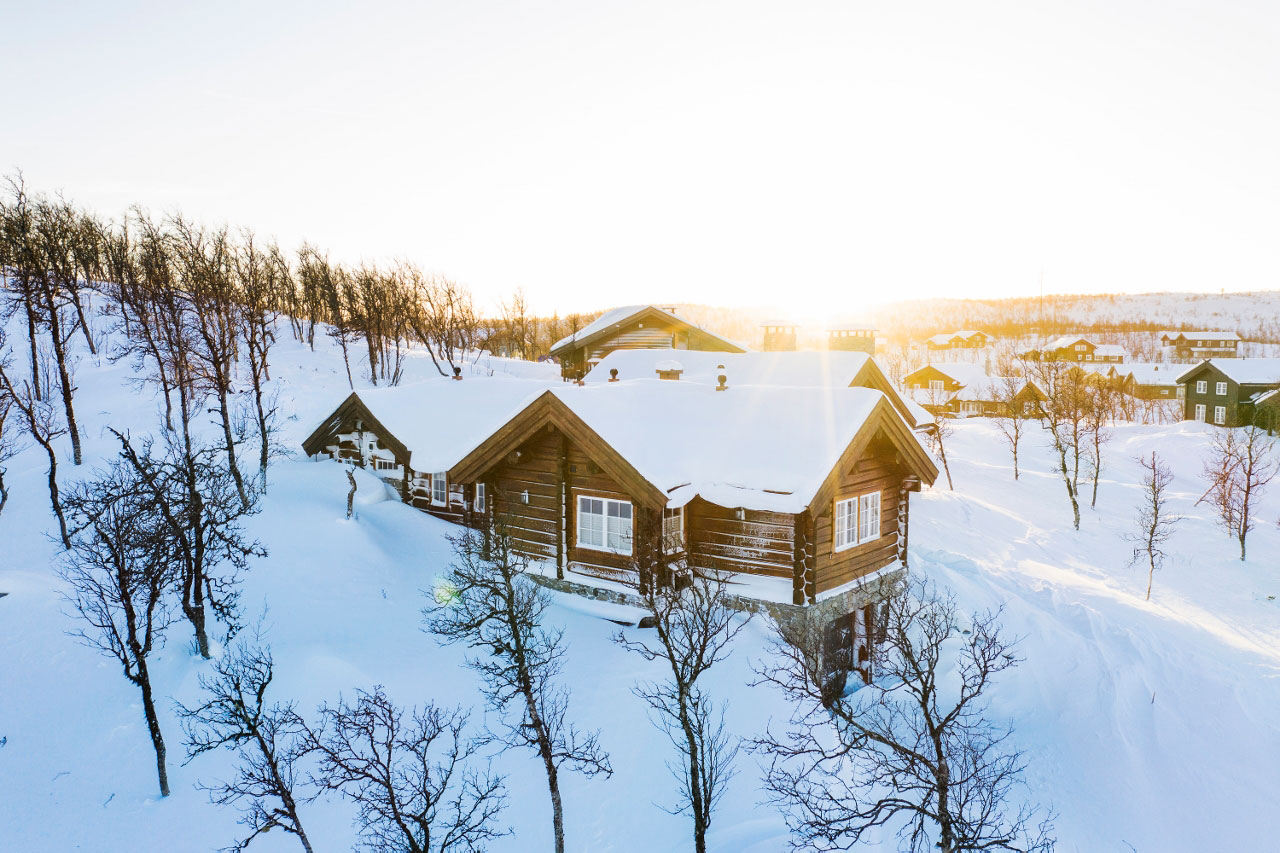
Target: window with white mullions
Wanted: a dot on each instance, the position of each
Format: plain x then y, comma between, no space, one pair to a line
673,530
478,504
857,520
604,524
439,489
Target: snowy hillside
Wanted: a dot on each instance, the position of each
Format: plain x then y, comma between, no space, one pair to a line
1147,726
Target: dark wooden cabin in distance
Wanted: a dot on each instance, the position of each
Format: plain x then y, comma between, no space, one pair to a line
633,327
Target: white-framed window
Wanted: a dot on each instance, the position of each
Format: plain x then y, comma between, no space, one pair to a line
869,517
1088,357
857,520
478,504
439,489
1219,415
935,384
846,523
604,524
380,464
1081,347
673,529
1220,388
1028,407
1200,412
1202,386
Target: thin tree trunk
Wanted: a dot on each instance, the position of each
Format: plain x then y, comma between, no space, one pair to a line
224,409
64,376
351,495
31,340
4,492
84,322
53,493
695,777
153,725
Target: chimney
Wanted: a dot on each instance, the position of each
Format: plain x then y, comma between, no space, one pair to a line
779,338
613,374
852,339
457,373
669,369
722,386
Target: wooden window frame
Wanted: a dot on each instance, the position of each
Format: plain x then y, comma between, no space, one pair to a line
1220,415
604,530
1201,413
678,513
856,504
478,503
1202,386
443,478
1220,389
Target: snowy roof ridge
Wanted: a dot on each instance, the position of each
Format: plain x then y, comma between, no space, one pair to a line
1242,371
755,446
615,316
1216,335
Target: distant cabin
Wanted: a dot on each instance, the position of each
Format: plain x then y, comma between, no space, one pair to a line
1149,381
965,390
1196,346
633,327
806,369
963,339
1228,392
1076,348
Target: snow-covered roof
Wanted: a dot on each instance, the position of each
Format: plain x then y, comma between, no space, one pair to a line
1152,373
928,397
964,372
754,446
806,368
1243,371
1109,349
945,337
616,316
1202,336
1065,341
440,421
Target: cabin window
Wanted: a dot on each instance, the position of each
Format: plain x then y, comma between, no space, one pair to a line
857,520
1027,407
1081,347
869,517
384,464
478,504
1202,386
439,489
1220,415
1200,411
673,529
1220,389
604,525
935,384
846,523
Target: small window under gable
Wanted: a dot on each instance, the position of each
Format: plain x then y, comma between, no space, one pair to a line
673,529
1221,389
1202,386
869,517
604,524
846,523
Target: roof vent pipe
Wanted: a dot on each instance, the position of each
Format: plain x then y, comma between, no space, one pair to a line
722,386
457,373
613,374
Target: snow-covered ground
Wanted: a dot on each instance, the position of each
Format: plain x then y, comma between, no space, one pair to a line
1148,726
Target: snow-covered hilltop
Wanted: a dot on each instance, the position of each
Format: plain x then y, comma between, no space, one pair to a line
1132,714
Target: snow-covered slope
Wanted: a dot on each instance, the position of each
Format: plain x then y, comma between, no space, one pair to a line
1148,726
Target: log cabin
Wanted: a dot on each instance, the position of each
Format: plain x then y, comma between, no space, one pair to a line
806,369
1190,347
967,339
411,435
633,327
1149,380
798,497
1080,349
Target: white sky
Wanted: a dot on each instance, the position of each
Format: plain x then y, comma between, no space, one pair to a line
821,156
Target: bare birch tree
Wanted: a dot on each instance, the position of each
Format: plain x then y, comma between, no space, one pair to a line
267,739
1240,464
1154,521
409,774
913,750
490,605
41,421
116,570
694,630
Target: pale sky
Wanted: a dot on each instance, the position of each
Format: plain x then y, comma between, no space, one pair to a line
820,156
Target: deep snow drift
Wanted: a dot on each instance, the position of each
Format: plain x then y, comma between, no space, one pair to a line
1148,726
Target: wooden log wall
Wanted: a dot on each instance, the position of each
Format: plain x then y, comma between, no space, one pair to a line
874,472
